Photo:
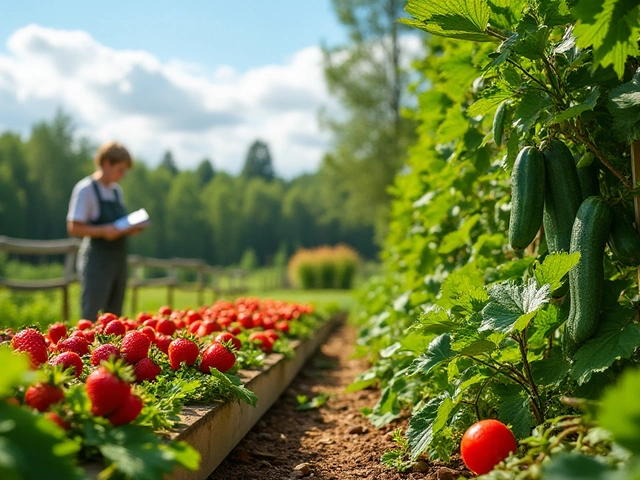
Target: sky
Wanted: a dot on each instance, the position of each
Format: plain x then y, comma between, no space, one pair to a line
201,78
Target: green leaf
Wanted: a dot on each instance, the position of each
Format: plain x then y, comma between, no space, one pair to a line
554,268
32,447
587,104
511,306
439,351
624,105
552,370
620,410
617,337
532,103
612,28
459,237
233,387
489,101
514,410
546,321
463,19
436,320
427,422
316,402
15,371
574,466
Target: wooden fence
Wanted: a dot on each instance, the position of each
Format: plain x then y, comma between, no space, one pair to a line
206,276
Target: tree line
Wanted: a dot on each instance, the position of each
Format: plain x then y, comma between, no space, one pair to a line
199,213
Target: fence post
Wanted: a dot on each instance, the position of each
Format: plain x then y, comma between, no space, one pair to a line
200,281
174,279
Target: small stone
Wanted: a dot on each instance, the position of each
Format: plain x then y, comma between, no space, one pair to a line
445,473
420,466
303,468
356,430
282,438
325,441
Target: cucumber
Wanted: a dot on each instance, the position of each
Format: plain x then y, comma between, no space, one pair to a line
562,194
624,240
586,280
498,123
588,175
527,198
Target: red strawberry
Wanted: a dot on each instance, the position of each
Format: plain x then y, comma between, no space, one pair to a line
117,327
104,353
75,344
263,342
229,337
193,328
234,328
42,395
166,327
127,412
131,325
33,343
106,318
182,350
283,326
217,356
106,390
146,369
165,311
78,333
224,321
55,418
152,322
193,316
143,317
69,360
84,324
135,346
90,335
163,342
245,321
272,334
149,332
57,331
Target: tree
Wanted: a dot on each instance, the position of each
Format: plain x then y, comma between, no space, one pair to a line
168,163
205,172
258,162
184,226
367,77
13,186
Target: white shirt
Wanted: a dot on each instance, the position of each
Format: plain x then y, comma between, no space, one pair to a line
84,205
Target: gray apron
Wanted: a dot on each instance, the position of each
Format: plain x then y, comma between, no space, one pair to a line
102,264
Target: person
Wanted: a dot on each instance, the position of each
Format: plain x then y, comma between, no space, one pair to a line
96,202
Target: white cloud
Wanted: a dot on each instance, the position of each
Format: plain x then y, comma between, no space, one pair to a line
152,106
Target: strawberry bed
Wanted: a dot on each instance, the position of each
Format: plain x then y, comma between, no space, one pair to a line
133,397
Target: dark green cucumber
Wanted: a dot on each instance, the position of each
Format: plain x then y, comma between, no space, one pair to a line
588,176
624,240
498,123
562,194
586,280
527,198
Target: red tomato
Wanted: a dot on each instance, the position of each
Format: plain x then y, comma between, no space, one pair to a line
485,444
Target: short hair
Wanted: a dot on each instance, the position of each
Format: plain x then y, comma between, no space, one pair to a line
113,152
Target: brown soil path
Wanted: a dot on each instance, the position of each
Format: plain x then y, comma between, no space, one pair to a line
334,442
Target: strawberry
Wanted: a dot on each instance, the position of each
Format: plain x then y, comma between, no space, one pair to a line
55,418
33,343
149,332
131,325
76,344
117,327
142,317
163,342
272,334
127,412
106,318
282,326
245,321
182,350
166,327
193,316
193,328
104,353
217,356
135,346
79,333
234,328
164,311
229,337
57,331
106,390
42,395
146,369
262,341
152,322
90,335
69,360
84,324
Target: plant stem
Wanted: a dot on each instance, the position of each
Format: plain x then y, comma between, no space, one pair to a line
527,370
542,85
516,379
492,32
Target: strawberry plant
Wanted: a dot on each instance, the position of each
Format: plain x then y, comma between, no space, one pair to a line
503,289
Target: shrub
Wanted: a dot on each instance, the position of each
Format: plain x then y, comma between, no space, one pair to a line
324,267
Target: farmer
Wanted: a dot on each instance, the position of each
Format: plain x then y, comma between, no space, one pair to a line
96,202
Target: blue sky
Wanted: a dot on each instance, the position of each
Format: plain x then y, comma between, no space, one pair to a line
238,33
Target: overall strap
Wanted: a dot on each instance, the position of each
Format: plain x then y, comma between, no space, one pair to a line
97,190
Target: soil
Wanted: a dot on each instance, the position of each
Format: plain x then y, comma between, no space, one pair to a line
333,442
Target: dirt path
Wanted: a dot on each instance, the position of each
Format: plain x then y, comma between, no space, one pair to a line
334,442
